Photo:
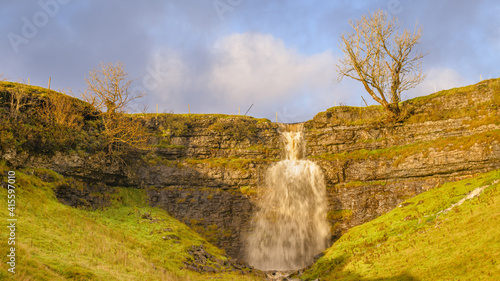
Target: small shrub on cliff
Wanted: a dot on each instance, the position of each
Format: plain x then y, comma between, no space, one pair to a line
61,112
339,215
239,129
176,125
109,90
247,190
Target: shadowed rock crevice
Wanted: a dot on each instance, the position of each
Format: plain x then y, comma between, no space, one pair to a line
220,216
84,195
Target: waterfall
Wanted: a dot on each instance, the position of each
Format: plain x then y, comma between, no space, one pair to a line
289,227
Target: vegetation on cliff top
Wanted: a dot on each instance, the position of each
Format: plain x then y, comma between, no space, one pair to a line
425,108
417,242
109,91
125,241
41,121
50,248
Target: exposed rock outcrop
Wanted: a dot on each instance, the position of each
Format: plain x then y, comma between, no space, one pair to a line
84,195
204,166
371,167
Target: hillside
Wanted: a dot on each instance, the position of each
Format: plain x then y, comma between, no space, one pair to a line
127,240
422,240
200,169
206,172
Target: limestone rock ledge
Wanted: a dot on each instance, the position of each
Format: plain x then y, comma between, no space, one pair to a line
206,170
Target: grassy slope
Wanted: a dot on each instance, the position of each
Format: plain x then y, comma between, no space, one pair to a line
412,243
58,242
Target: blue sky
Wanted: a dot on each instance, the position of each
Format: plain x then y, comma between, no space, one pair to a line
220,55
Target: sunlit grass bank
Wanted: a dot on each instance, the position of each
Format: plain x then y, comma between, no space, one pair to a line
121,242
414,242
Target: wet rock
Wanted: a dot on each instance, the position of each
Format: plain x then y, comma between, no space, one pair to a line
280,275
146,216
203,261
171,237
207,268
84,195
318,256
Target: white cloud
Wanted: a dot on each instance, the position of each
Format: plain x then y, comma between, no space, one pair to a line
247,68
253,68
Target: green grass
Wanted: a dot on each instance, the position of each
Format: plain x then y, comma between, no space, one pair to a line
166,145
199,116
493,84
58,242
352,115
237,126
7,86
248,190
352,184
412,242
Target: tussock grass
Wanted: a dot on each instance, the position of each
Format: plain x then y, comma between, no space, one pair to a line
412,242
58,242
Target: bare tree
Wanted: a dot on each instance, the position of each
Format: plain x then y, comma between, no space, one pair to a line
382,58
109,90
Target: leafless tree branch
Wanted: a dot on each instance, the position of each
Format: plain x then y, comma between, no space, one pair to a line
108,89
382,58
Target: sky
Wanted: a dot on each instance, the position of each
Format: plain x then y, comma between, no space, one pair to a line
225,56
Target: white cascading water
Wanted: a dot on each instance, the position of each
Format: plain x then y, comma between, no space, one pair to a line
290,226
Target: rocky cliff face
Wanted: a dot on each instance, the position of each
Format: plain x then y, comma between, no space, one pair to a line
203,171
372,167
206,170
205,175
